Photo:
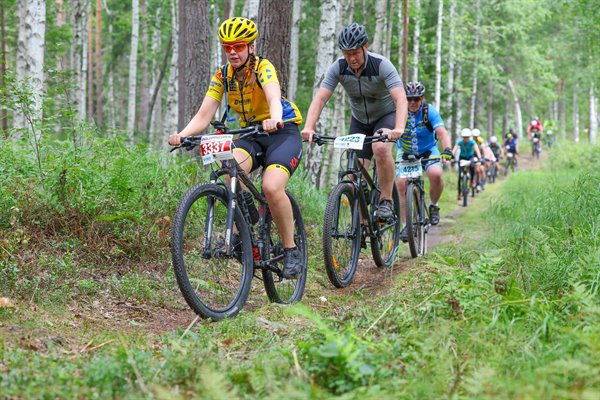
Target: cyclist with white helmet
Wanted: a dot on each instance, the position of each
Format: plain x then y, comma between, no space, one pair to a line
466,149
420,138
535,129
496,150
377,101
480,165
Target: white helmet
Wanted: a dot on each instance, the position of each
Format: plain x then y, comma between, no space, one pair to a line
466,132
493,139
476,132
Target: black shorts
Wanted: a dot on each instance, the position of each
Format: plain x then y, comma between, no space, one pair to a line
387,121
281,149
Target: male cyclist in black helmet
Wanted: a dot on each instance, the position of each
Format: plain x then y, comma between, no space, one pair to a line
377,100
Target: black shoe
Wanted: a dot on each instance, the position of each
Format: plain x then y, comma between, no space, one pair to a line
434,214
404,235
292,263
236,247
385,210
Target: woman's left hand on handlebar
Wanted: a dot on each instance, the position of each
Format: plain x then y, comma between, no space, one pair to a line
175,139
270,125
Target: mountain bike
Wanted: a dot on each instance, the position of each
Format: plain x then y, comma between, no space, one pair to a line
511,163
536,149
465,179
417,212
218,244
492,172
350,215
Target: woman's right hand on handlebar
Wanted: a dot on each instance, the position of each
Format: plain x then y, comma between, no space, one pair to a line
307,134
175,139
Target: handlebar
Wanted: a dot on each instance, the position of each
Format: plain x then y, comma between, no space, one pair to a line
322,139
255,130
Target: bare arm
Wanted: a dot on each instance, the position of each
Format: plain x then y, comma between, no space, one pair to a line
443,137
273,94
399,97
314,111
199,123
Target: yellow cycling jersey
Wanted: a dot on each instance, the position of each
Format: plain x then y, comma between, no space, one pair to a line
250,102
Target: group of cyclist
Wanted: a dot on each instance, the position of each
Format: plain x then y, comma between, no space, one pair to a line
380,104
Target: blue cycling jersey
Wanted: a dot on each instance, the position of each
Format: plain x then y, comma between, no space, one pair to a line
417,139
467,150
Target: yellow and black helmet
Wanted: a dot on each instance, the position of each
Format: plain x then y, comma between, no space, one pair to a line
238,29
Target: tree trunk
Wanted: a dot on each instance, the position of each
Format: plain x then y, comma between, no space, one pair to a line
172,109
518,116
451,56
273,43
562,117
158,72
78,54
250,10
194,65
61,20
472,116
216,54
90,70
458,103
295,35
377,45
325,56
416,37
30,56
576,113
111,85
390,29
593,115
144,90
405,43
3,114
99,82
135,29
438,55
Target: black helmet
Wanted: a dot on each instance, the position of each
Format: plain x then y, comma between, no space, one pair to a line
354,36
414,89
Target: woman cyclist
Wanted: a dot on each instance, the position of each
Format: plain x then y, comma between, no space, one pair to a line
466,149
253,92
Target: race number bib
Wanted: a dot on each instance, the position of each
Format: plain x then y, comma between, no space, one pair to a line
409,169
464,163
216,147
354,142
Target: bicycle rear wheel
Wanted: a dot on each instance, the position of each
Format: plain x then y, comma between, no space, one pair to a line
384,246
213,284
414,221
465,188
341,243
281,290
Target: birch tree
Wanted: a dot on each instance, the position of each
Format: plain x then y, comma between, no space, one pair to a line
377,44
3,54
99,82
30,55
390,29
518,116
250,9
476,66
593,115
78,55
451,57
131,97
438,55
576,113
416,38
325,55
405,40
146,61
295,35
172,111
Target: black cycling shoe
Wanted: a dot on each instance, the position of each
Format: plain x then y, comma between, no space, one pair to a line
404,235
236,246
434,214
385,210
292,263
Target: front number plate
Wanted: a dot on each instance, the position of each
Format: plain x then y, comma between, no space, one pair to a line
216,147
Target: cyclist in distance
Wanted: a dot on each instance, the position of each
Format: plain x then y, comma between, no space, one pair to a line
466,149
496,149
479,165
535,129
420,138
511,144
377,100
253,92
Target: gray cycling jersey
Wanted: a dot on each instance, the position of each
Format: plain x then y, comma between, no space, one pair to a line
369,93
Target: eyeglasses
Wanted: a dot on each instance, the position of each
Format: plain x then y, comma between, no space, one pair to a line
237,47
413,99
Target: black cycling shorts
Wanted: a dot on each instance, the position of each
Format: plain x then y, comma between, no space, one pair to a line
387,121
281,149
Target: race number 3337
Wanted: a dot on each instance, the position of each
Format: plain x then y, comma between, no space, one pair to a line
216,147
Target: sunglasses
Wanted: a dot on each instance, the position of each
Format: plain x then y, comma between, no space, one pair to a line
413,99
237,47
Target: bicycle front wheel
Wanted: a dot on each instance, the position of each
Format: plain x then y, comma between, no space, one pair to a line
384,246
465,188
279,290
213,284
341,235
414,223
